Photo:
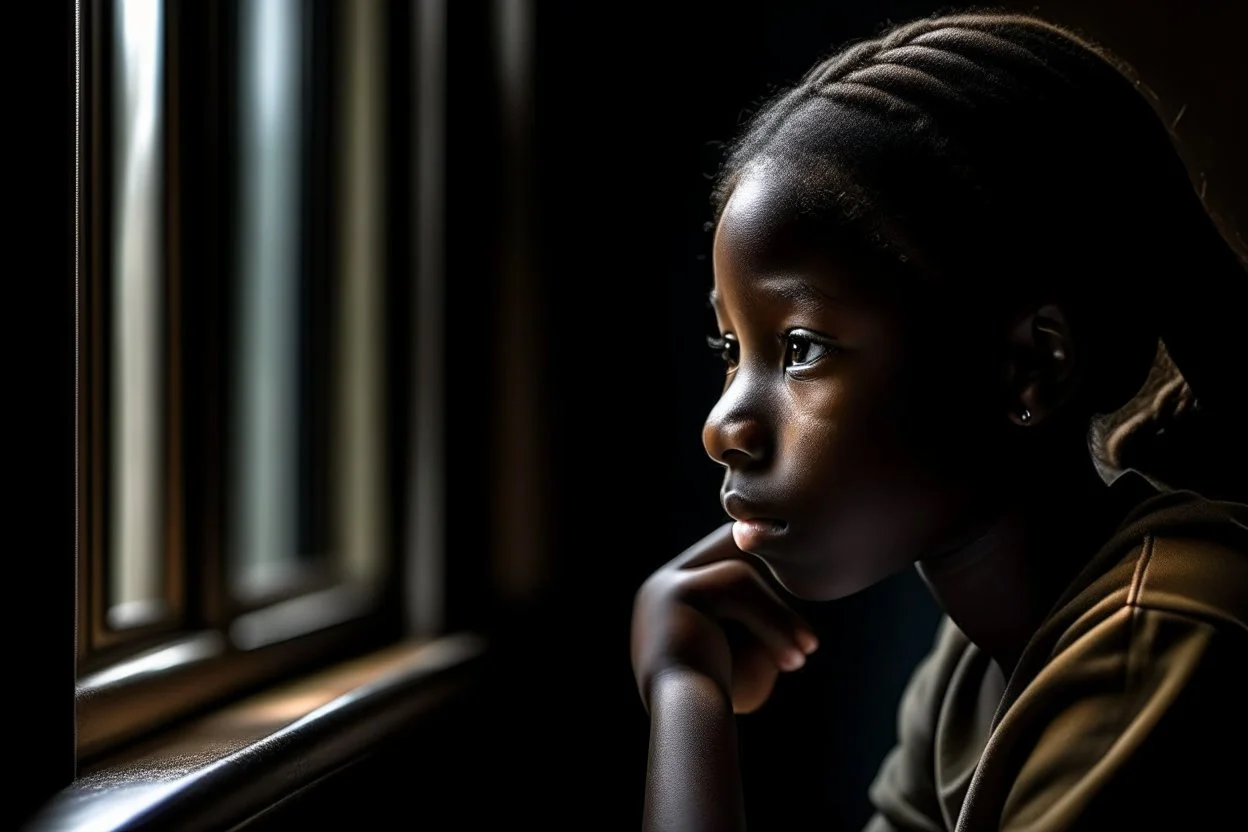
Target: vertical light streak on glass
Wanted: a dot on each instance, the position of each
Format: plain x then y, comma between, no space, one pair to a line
425,568
359,401
136,570
263,528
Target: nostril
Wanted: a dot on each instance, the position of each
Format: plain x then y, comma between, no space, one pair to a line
733,438
736,458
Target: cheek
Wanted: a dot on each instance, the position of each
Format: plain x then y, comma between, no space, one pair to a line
858,461
837,435
864,500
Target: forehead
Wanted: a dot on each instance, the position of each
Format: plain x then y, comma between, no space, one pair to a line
785,220
759,228
766,248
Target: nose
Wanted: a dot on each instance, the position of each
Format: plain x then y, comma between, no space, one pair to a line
735,433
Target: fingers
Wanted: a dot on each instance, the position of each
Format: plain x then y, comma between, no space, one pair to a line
733,590
754,677
716,546
719,546
684,615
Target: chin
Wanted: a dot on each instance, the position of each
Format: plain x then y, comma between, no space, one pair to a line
829,578
812,583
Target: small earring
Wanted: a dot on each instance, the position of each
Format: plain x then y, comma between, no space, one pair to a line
1025,416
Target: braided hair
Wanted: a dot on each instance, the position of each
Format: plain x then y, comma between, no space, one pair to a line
997,156
1165,433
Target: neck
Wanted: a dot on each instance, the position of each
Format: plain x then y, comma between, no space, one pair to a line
1001,583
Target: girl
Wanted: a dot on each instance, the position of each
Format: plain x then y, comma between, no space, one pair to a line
937,260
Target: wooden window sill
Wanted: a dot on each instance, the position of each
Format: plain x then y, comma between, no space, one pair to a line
231,765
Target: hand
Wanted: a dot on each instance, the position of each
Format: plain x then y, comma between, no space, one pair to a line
709,611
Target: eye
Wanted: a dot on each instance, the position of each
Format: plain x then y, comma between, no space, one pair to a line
802,349
726,347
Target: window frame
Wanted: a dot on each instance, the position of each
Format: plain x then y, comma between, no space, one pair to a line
134,682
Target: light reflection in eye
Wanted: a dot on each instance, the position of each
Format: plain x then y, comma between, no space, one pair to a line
802,349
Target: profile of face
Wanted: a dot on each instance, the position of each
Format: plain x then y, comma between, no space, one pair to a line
850,443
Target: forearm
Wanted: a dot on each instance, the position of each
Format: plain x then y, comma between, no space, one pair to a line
694,776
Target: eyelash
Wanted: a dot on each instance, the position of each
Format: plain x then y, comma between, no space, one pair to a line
728,349
725,348
788,339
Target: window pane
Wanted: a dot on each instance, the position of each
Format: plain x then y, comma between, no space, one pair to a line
307,441
265,551
136,571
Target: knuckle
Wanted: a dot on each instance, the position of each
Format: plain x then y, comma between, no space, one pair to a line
661,587
733,574
705,587
738,569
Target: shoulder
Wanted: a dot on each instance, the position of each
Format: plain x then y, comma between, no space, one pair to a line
1177,553
1130,679
1117,727
1205,580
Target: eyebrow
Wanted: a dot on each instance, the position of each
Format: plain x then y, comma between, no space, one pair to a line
800,291
791,288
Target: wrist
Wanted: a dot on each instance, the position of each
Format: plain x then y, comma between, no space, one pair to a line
694,780
687,686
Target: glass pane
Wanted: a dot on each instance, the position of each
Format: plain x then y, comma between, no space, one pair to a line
136,569
307,436
265,542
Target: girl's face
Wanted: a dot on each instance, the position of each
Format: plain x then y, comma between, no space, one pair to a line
844,424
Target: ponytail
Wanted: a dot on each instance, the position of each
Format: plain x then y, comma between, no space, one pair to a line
1184,429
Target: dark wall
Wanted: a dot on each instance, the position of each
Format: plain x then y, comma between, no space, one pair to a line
39,371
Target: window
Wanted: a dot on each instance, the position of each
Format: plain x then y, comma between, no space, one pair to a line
244,320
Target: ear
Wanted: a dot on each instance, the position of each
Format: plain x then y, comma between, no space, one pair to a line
1041,371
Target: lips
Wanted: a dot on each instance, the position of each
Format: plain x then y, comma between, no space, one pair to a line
743,510
755,527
